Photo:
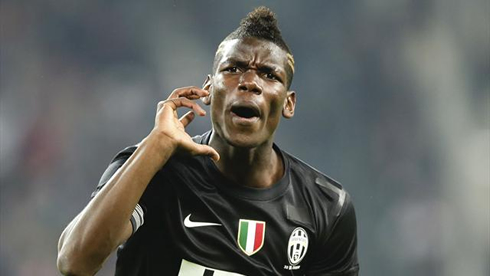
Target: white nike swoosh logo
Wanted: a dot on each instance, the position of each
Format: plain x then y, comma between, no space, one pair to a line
191,224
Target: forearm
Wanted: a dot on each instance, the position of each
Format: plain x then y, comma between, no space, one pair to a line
104,223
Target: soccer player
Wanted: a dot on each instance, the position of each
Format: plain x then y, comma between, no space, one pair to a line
228,202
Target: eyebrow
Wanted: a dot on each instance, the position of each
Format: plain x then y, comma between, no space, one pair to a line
262,67
238,62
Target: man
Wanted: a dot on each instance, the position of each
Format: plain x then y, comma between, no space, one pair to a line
229,202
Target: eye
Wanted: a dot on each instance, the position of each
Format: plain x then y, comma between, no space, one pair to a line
231,69
271,76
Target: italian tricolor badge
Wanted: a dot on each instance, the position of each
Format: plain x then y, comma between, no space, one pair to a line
251,234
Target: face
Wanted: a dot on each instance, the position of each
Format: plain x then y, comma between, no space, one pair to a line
248,92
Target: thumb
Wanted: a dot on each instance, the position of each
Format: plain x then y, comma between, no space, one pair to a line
198,149
207,150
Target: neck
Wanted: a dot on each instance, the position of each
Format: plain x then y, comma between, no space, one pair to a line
258,167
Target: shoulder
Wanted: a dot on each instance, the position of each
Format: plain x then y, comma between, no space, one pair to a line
124,154
202,139
322,187
332,215
116,162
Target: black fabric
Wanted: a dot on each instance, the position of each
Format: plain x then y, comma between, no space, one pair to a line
194,185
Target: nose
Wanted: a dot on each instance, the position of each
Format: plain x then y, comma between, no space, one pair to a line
248,82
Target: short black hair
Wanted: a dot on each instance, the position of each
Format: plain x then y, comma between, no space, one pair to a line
261,23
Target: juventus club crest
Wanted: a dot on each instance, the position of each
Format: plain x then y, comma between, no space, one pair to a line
251,234
297,246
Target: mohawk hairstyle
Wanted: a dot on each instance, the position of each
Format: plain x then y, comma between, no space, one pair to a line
261,23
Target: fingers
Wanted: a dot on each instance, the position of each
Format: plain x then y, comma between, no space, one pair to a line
187,118
182,102
189,92
182,96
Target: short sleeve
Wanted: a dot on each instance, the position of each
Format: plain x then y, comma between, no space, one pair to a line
137,218
337,253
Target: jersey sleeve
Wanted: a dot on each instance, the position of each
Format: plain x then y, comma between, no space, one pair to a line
337,252
137,218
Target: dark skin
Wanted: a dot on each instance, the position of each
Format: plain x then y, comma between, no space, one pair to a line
251,73
248,94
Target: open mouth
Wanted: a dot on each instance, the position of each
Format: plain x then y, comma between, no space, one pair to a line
247,112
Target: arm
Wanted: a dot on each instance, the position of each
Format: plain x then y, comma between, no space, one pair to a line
104,223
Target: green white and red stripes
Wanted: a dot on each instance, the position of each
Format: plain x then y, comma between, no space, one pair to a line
251,234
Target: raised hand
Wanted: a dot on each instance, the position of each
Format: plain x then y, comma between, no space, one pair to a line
168,125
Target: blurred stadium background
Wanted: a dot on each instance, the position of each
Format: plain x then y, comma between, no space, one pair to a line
393,101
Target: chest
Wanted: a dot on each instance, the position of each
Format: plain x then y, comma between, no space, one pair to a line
215,230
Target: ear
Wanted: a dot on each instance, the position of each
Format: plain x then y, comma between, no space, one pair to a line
207,86
289,105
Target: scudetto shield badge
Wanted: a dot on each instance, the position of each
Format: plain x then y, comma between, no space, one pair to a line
297,246
251,234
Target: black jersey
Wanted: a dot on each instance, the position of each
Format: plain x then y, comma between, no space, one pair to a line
191,220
